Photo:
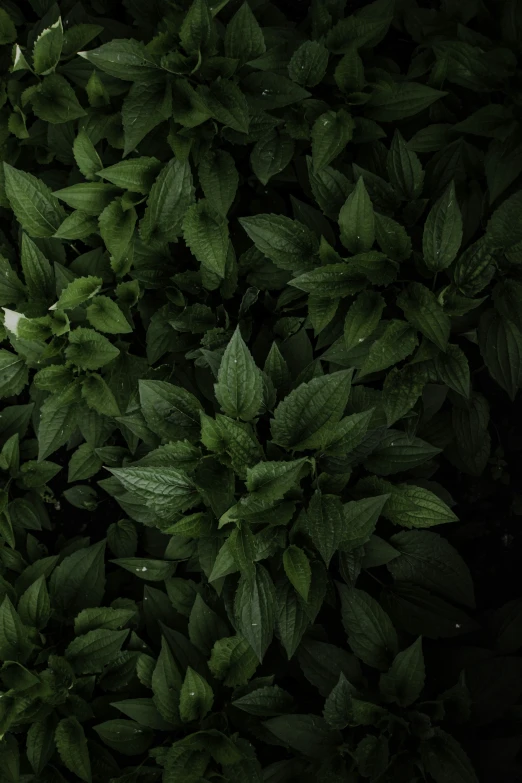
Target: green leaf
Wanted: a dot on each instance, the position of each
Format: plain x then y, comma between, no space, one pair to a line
500,343
99,397
307,416
357,220
136,174
362,318
505,226
332,280
233,661
371,634
474,268
55,101
47,50
428,560
35,207
92,651
165,490
442,236
146,105
85,155
349,72
271,155
219,179
453,369
125,736
297,569
239,388
7,28
196,697
330,188
126,59
71,744
78,582
13,373
401,390
147,569
392,238
40,743
254,610
359,521
425,313
396,343
77,292
197,30
227,104
444,759
267,91
267,482
117,228
264,701
324,524
337,709
89,350
14,642
171,195
404,169
398,452
404,681
105,315
288,243
308,64
77,225
89,197
57,422
243,36
34,606
166,684
170,411
331,133
205,231
308,734
390,102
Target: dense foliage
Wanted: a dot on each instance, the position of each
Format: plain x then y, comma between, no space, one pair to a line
260,279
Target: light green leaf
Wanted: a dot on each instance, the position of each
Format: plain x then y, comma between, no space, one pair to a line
85,155
196,697
77,225
205,231
357,220
233,661
239,389
442,234
126,59
77,292
136,174
89,197
48,48
117,228
305,418
71,744
297,568
58,421
83,464
105,315
89,350
35,207
371,634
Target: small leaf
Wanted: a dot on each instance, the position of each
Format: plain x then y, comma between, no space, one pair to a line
71,744
404,681
371,634
206,233
243,36
47,49
357,220
442,235
423,311
297,569
331,132
196,697
254,611
77,292
239,386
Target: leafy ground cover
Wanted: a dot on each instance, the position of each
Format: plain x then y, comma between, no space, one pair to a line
260,355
